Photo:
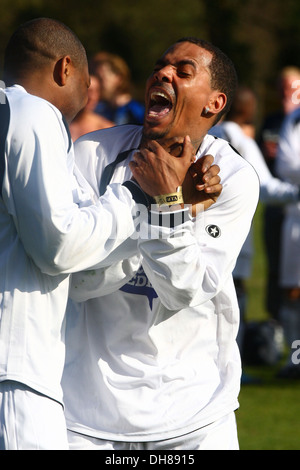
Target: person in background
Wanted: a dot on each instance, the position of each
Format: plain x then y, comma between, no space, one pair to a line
288,168
87,120
235,129
117,103
274,214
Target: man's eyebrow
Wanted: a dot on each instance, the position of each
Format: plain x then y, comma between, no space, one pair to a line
191,62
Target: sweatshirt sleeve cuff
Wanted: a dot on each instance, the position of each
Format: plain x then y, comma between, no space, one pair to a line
168,219
138,194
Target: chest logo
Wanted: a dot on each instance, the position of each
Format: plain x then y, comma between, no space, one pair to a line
140,285
213,230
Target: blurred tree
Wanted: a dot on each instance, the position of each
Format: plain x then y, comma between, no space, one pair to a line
223,19
290,34
260,37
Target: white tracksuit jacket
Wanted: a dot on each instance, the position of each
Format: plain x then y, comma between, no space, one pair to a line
151,341
44,235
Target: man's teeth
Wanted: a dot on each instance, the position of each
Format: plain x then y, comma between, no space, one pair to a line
158,96
160,104
158,111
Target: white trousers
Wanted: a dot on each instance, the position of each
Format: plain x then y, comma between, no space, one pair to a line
220,435
29,420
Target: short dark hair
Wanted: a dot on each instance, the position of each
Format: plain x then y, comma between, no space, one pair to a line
35,43
222,71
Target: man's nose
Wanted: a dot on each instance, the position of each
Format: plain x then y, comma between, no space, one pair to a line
164,74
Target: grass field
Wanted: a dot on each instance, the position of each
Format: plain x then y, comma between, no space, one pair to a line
269,414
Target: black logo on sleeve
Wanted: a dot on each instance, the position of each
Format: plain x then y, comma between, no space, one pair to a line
213,230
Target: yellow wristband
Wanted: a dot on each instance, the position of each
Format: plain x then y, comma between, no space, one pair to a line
170,199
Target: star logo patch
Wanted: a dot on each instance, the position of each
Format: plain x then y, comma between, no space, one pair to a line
213,230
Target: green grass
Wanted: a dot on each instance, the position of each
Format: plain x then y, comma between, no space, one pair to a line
269,414
256,285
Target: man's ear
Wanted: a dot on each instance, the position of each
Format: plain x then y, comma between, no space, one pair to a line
218,103
62,70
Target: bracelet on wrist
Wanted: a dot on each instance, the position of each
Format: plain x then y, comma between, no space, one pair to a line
170,199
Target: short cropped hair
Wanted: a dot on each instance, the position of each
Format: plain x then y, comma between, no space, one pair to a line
37,42
222,71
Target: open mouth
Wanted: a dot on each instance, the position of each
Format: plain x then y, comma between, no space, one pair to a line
160,104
